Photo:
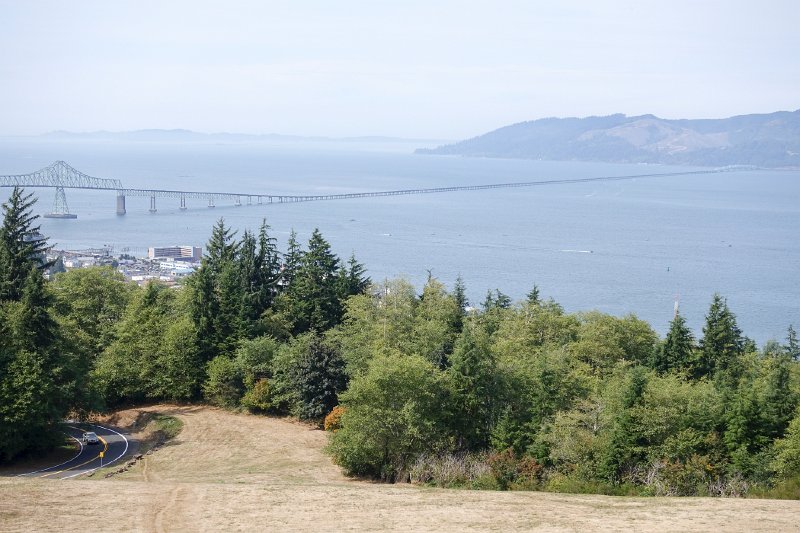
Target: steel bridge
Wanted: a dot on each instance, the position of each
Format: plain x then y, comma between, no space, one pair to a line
62,176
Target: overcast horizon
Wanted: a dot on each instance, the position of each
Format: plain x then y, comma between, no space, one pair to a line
434,70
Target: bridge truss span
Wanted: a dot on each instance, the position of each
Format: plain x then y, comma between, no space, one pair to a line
59,174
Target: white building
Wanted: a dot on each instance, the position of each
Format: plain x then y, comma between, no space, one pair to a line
183,253
80,262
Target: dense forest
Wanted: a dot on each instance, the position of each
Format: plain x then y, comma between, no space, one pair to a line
411,386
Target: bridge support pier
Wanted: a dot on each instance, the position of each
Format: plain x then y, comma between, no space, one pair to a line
121,204
211,202
183,203
153,204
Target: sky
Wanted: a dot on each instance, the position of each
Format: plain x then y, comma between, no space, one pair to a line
420,69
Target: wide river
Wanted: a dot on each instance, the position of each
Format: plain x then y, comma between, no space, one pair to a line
632,246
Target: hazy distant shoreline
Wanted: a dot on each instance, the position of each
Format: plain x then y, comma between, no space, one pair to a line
184,135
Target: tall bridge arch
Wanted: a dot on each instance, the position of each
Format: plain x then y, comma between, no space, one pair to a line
60,176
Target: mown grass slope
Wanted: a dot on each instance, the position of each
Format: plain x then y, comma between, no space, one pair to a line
235,472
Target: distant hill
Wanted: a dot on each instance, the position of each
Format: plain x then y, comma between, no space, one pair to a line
767,140
181,135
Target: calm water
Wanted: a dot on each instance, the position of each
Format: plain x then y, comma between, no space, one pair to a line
620,247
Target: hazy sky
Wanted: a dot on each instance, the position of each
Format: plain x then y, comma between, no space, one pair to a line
436,69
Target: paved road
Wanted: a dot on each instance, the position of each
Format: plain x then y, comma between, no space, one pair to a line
113,445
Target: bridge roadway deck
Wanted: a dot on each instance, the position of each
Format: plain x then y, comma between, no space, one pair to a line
274,198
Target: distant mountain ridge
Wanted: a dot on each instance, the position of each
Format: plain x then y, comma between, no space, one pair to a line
183,135
764,140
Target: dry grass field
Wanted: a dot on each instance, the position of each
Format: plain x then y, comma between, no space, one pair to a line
231,472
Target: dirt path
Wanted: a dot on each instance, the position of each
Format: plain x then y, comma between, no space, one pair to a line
228,472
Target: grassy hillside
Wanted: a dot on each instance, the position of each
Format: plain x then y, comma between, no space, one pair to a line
232,472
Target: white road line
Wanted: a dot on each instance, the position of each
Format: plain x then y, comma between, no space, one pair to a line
111,461
56,466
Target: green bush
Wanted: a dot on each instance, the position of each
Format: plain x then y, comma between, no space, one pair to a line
393,413
224,384
257,398
787,451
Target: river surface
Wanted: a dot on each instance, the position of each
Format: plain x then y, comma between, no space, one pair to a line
632,246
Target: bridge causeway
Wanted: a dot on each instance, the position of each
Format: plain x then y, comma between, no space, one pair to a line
60,176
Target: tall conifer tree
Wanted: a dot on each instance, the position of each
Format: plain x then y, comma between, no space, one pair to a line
678,348
34,373
722,341
20,244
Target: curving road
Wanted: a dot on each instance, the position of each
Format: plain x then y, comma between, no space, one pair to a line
113,445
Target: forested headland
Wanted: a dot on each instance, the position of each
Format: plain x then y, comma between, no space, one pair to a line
412,385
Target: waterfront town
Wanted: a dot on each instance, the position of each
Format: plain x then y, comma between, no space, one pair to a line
170,264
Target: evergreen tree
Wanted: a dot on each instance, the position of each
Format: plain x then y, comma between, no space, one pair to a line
623,448
676,352
259,270
496,300
34,328
311,301
778,400
744,433
228,326
221,248
36,377
36,373
460,296
792,345
248,260
269,267
291,264
320,379
722,342
533,296
353,279
204,309
474,375
493,307
220,303
20,244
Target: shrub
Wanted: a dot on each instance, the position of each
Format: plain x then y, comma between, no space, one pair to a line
224,384
394,412
787,489
575,485
503,466
258,397
333,421
452,471
511,472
